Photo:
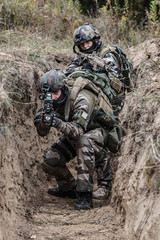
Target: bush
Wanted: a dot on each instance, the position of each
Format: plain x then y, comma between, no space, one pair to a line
58,17
17,13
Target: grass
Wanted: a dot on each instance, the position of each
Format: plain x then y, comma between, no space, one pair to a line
33,43
49,29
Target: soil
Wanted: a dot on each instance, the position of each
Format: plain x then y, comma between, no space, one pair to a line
57,219
26,210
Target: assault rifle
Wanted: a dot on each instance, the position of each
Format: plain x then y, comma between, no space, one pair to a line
95,61
48,111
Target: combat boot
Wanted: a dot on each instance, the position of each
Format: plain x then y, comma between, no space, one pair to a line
57,192
102,193
84,201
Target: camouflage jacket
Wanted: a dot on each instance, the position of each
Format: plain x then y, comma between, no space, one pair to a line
78,119
110,61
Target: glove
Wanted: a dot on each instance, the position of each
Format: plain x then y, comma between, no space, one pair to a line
88,66
38,117
56,122
43,119
50,119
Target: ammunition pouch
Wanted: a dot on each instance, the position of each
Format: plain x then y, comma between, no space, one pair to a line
116,85
106,119
114,139
113,128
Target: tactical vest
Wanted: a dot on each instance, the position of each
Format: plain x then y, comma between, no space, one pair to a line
79,83
125,67
102,113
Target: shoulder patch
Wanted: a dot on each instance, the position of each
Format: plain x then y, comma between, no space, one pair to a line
84,115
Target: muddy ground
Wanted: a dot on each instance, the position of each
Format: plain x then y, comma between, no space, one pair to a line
26,210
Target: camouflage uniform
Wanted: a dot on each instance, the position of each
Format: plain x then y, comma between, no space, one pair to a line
79,139
104,174
88,32
112,63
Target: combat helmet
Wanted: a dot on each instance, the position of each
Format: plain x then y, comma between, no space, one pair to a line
88,33
52,81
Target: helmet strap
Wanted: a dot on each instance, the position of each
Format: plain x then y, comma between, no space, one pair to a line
74,48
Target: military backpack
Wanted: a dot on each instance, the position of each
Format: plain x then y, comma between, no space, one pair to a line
103,113
125,66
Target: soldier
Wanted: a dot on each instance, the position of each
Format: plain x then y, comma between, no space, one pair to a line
86,129
114,65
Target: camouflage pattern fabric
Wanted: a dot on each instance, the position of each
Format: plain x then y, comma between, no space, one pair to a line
104,175
111,62
55,160
85,32
88,146
50,83
81,114
90,153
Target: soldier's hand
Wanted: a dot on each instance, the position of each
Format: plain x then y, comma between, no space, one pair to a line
88,66
47,119
56,122
38,117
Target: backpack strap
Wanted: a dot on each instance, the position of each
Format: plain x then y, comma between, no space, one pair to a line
75,86
78,85
111,49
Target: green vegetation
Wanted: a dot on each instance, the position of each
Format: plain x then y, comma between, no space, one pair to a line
57,17
52,23
5,131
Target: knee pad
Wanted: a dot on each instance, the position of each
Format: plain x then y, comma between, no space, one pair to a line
60,152
53,158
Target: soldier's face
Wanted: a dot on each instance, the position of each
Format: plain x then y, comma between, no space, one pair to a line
85,45
56,95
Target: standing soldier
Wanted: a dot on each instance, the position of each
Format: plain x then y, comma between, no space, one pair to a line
83,114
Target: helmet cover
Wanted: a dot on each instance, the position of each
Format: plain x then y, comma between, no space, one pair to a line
85,32
52,81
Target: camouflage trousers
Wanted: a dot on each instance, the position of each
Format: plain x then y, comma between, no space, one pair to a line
91,155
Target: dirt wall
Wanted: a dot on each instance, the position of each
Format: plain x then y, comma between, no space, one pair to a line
137,178
21,178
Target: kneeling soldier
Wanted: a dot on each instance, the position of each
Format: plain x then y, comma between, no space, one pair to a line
82,113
